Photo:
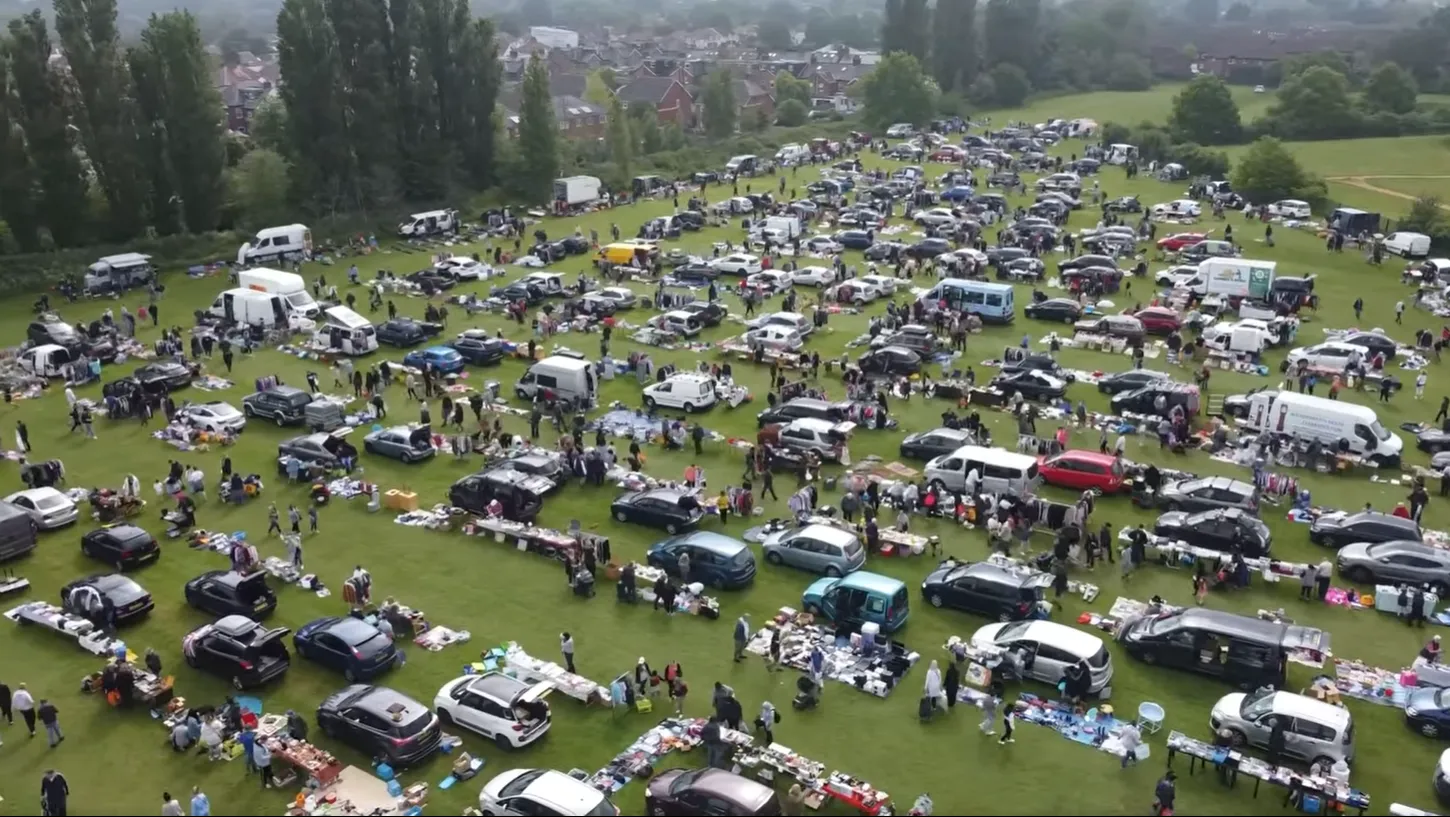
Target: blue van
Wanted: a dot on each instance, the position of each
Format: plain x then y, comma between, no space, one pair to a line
715,560
857,598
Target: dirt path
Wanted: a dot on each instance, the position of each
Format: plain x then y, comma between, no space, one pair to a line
1364,183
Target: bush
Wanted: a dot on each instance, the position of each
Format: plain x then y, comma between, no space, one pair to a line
42,271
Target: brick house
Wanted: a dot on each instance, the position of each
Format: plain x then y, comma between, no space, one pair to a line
670,98
577,118
750,98
829,80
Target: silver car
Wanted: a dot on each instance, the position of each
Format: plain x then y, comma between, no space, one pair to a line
1314,731
1399,562
1209,493
1049,649
817,548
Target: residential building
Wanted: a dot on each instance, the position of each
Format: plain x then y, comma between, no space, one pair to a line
669,97
577,118
552,38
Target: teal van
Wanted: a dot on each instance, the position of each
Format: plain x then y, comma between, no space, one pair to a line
857,598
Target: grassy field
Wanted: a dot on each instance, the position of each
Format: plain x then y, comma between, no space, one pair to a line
117,761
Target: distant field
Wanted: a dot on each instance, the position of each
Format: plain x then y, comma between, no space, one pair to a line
1130,107
1439,188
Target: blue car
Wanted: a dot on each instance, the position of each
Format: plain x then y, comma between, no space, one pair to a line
349,645
1427,711
714,559
960,193
442,358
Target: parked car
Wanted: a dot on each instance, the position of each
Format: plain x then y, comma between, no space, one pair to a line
854,239
694,274
1131,380
1290,208
1398,563
709,313
926,445
891,361
102,595
381,722
443,359
402,443
1338,529
1427,711
320,448
1081,470
1159,320
708,791
227,593
1087,261
510,712
739,264
1316,732
47,508
1049,649
1062,310
687,391
160,376
715,560
818,548
1180,241
1375,342
124,546
1330,355
480,351
622,297
403,332
1209,493
1209,249
663,508
348,645
804,408
912,336
1225,529
813,276
542,791
855,291
1114,326
519,494
986,589
284,405
240,649
886,250
1034,384
929,248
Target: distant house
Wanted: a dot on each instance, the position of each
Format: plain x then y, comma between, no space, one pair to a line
750,98
707,38
577,118
1248,53
833,79
670,98
551,38
243,87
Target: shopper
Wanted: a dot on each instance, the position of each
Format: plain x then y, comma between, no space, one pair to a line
767,721
170,807
25,705
1307,581
312,517
952,684
566,646
54,790
262,758
50,716
200,803
1009,715
1325,574
1130,737
1165,793
714,743
678,690
294,516
5,709
933,690
742,636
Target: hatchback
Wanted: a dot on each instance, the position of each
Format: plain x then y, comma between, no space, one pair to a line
714,560
510,712
817,548
348,645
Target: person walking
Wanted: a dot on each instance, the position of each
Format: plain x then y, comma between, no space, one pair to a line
22,434
262,759
566,646
989,714
1325,574
767,484
200,803
1442,414
25,705
1399,312
5,710
54,790
767,721
50,717
312,517
294,516
678,690
1165,793
1009,716
952,684
1420,380
248,740
274,524
1307,582
1131,738
742,636
170,807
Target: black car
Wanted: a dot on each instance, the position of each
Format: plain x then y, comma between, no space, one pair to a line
803,407
513,489
705,176
1145,400
528,293
987,589
1085,261
284,405
349,645
1433,440
1032,269
106,597
669,509
381,722
912,336
892,361
694,274
710,313
1124,204
1340,529
688,220
50,329
238,648
228,593
998,256
405,332
1130,380
539,463
320,448
1034,384
1004,178
161,376
1226,529
480,351
121,545
886,250
1062,310
929,248
433,279
1037,362
1375,342
928,445
854,239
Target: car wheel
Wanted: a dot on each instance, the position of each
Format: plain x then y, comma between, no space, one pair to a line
1068,319
935,599
248,411
671,528
1174,506
349,676
649,402
1238,738
501,741
329,728
1149,658
689,407
810,608
279,420
938,485
444,718
773,557
833,571
1360,575
189,658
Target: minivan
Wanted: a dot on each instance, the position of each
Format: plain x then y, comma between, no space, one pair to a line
17,532
1001,471
1314,731
1051,648
817,548
858,598
1250,652
715,560
559,376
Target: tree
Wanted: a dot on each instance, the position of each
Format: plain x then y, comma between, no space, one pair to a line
773,35
479,82
258,188
897,90
17,172
757,121
1314,104
268,126
1129,72
596,90
904,28
1299,63
718,102
645,125
1390,88
954,44
1427,215
791,113
1201,12
619,137
1267,171
788,88
1011,84
1237,13
1012,34
538,132
1205,112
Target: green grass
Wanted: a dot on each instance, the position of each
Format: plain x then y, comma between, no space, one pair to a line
117,761
1126,107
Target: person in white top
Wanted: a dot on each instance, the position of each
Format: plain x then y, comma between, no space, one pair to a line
24,703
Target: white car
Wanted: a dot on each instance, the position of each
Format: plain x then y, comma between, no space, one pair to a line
900,130
771,280
688,391
780,338
621,298
823,244
542,791
1332,355
936,218
739,263
813,276
678,321
885,283
1180,208
790,320
214,416
464,268
49,508
1175,276
856,291
1290,208
1060,181
510,712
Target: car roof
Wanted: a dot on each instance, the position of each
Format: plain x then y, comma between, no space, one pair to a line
352,631
123,533
733,788
1377,516
713,542
231,578
498,686
1085,455
234,626
1300,706
671,494
1073,640
391,704
1407,546
1226,623
107,582
813,423
875,582
829,533
565,793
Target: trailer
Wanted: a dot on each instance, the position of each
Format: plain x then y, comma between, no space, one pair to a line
576,190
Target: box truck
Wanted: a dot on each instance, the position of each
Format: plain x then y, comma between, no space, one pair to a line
1317,418
289,285
577,190
1233,278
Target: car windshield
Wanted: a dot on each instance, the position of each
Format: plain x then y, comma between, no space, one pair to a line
685,781
1257,704
301,299
519,784
1013,631
1379,431
1163,624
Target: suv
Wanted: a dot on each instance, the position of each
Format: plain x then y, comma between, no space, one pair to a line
1209,493
496,706
1316,732
284,405
917,338
804,408
1002,593
826,438
226,593
381,722
513,489
238,648
1339,529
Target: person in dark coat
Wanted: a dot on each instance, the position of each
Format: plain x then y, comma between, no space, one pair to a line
53,793
1277,740
951,684
5,710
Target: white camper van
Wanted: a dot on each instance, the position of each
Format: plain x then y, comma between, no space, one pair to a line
570,378
289,285
1310,417
117,273
251,308
346,332
433,222
290,243
1121,154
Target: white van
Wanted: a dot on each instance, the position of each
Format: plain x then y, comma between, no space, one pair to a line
1408,245
291,243
433,222
1001,471
1121,154
48,360
793,154
115,273
250,308
687,390
346,332
289,285
1310,417
560,376
742,165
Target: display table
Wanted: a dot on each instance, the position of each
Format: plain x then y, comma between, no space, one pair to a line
309,761
1331,795
512,660
80,630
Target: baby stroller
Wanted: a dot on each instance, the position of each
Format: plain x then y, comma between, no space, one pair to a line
808,693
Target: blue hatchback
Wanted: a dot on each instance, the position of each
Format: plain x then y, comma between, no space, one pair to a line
441,358
714,559
349,645
1427,711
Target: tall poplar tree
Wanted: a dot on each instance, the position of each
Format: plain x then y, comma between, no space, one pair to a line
538,134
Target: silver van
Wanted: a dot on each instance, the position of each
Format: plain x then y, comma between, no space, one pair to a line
1049,649
817,548
824,437
562,377
1001,471
1314,731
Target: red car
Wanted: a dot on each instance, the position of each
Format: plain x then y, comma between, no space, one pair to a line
1179,241
1081,470
947,154
1159,320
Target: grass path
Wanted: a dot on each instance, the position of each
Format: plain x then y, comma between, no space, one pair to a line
1364,183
